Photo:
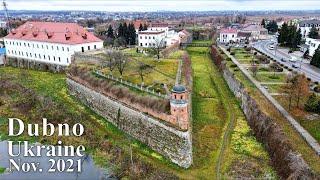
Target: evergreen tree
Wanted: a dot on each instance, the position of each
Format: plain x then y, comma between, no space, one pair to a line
131,34
126,32
3,32
313,33
110,32
283,35
263,23
296,38
272,26
140,27
145,27
120,31
315,61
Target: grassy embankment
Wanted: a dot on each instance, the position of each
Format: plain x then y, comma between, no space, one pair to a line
215,111
97,129
295,139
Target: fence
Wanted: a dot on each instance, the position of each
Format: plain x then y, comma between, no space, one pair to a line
132,85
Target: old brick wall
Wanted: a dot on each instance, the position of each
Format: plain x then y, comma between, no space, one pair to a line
174,144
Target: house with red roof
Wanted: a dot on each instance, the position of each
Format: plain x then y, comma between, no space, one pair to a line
49,42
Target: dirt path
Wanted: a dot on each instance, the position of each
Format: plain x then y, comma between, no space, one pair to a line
230,126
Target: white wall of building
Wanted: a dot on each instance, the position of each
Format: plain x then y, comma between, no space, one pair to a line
313,45
52,53
227,37
148,39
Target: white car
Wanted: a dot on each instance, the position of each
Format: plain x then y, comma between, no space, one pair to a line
293,59
271,47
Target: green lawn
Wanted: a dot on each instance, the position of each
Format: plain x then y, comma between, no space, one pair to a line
270,77
274,88
161,72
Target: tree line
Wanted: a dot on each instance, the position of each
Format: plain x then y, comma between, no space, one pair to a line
125,35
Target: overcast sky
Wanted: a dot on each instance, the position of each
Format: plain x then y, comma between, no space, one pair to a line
174,5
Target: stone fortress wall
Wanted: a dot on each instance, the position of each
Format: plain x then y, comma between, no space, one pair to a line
173,143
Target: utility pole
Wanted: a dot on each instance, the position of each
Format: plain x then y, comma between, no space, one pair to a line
4,4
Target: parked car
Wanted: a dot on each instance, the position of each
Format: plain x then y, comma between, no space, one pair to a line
293,59
294,66
283,60
271,47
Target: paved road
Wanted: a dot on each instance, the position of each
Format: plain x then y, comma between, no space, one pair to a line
310,71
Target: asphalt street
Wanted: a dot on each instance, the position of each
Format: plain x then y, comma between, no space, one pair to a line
301,66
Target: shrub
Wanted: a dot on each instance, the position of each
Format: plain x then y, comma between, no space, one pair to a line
313,104
232,53
264,69
248,49
233,66
228,59
317,88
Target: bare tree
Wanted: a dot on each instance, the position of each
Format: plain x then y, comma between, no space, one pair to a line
302,89
296,89
121,60
254,70
109,61
143,70
159,43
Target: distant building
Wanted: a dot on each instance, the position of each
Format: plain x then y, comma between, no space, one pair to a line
159,35
257,32
306,25
151,38
49,42
313,45
228,35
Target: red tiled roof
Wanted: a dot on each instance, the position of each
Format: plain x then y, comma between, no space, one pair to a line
53,32
151,32
137,23
159,24
228,30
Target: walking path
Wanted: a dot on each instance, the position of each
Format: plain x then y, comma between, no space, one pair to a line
308,138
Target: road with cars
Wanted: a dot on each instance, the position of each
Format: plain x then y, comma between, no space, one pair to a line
286,59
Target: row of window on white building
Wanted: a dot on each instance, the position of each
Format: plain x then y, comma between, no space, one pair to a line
146,37
34,45
39,56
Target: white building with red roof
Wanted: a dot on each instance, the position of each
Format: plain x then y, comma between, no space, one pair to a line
49,42
228,35
159,35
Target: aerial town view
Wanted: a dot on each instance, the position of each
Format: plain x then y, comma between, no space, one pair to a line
173,89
